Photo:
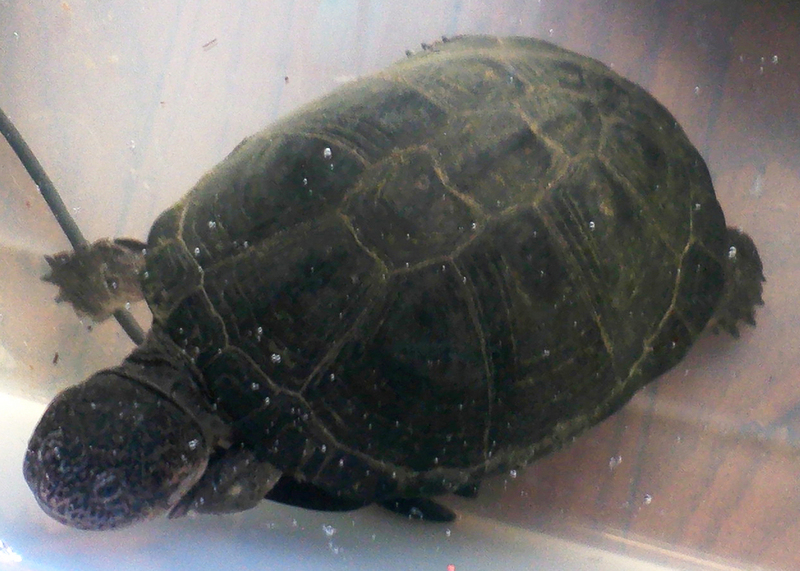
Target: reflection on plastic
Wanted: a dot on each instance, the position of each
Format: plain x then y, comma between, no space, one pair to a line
7,554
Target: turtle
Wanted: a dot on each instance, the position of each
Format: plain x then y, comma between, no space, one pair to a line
434,274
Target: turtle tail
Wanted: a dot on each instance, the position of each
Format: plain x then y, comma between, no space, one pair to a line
742,290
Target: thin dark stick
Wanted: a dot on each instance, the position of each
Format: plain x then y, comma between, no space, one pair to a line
59,210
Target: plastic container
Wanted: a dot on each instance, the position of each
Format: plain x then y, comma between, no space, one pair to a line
128,104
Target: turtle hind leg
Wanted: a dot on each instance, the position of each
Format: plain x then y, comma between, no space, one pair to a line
100,278
419,508
742,290
292,492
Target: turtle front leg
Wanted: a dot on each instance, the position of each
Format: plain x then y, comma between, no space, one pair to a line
234,481
100,278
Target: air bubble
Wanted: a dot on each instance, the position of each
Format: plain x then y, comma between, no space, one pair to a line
275,358
197,251
648,499
266,401
323,449
255,386
591,225
614,462
329,530
513,474
193,444
327,154
732,252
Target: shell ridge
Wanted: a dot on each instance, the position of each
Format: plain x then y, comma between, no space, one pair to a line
474,309
578,276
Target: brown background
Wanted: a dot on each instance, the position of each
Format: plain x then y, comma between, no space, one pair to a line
126,104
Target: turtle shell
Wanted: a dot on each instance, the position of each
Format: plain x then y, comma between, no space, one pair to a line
443,270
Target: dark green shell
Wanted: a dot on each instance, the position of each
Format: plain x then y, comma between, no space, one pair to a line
443,270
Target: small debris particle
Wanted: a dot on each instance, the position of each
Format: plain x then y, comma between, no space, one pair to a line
55,358
210,44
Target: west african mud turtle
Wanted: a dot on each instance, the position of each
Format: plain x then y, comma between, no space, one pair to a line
437,273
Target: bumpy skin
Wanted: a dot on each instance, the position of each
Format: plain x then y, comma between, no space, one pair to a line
442,271
110,452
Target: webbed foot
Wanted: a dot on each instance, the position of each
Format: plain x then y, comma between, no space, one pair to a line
743,278
100,278
234,481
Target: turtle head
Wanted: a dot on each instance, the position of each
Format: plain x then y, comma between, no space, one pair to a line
110,452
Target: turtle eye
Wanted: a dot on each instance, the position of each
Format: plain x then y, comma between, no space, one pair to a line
107,487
